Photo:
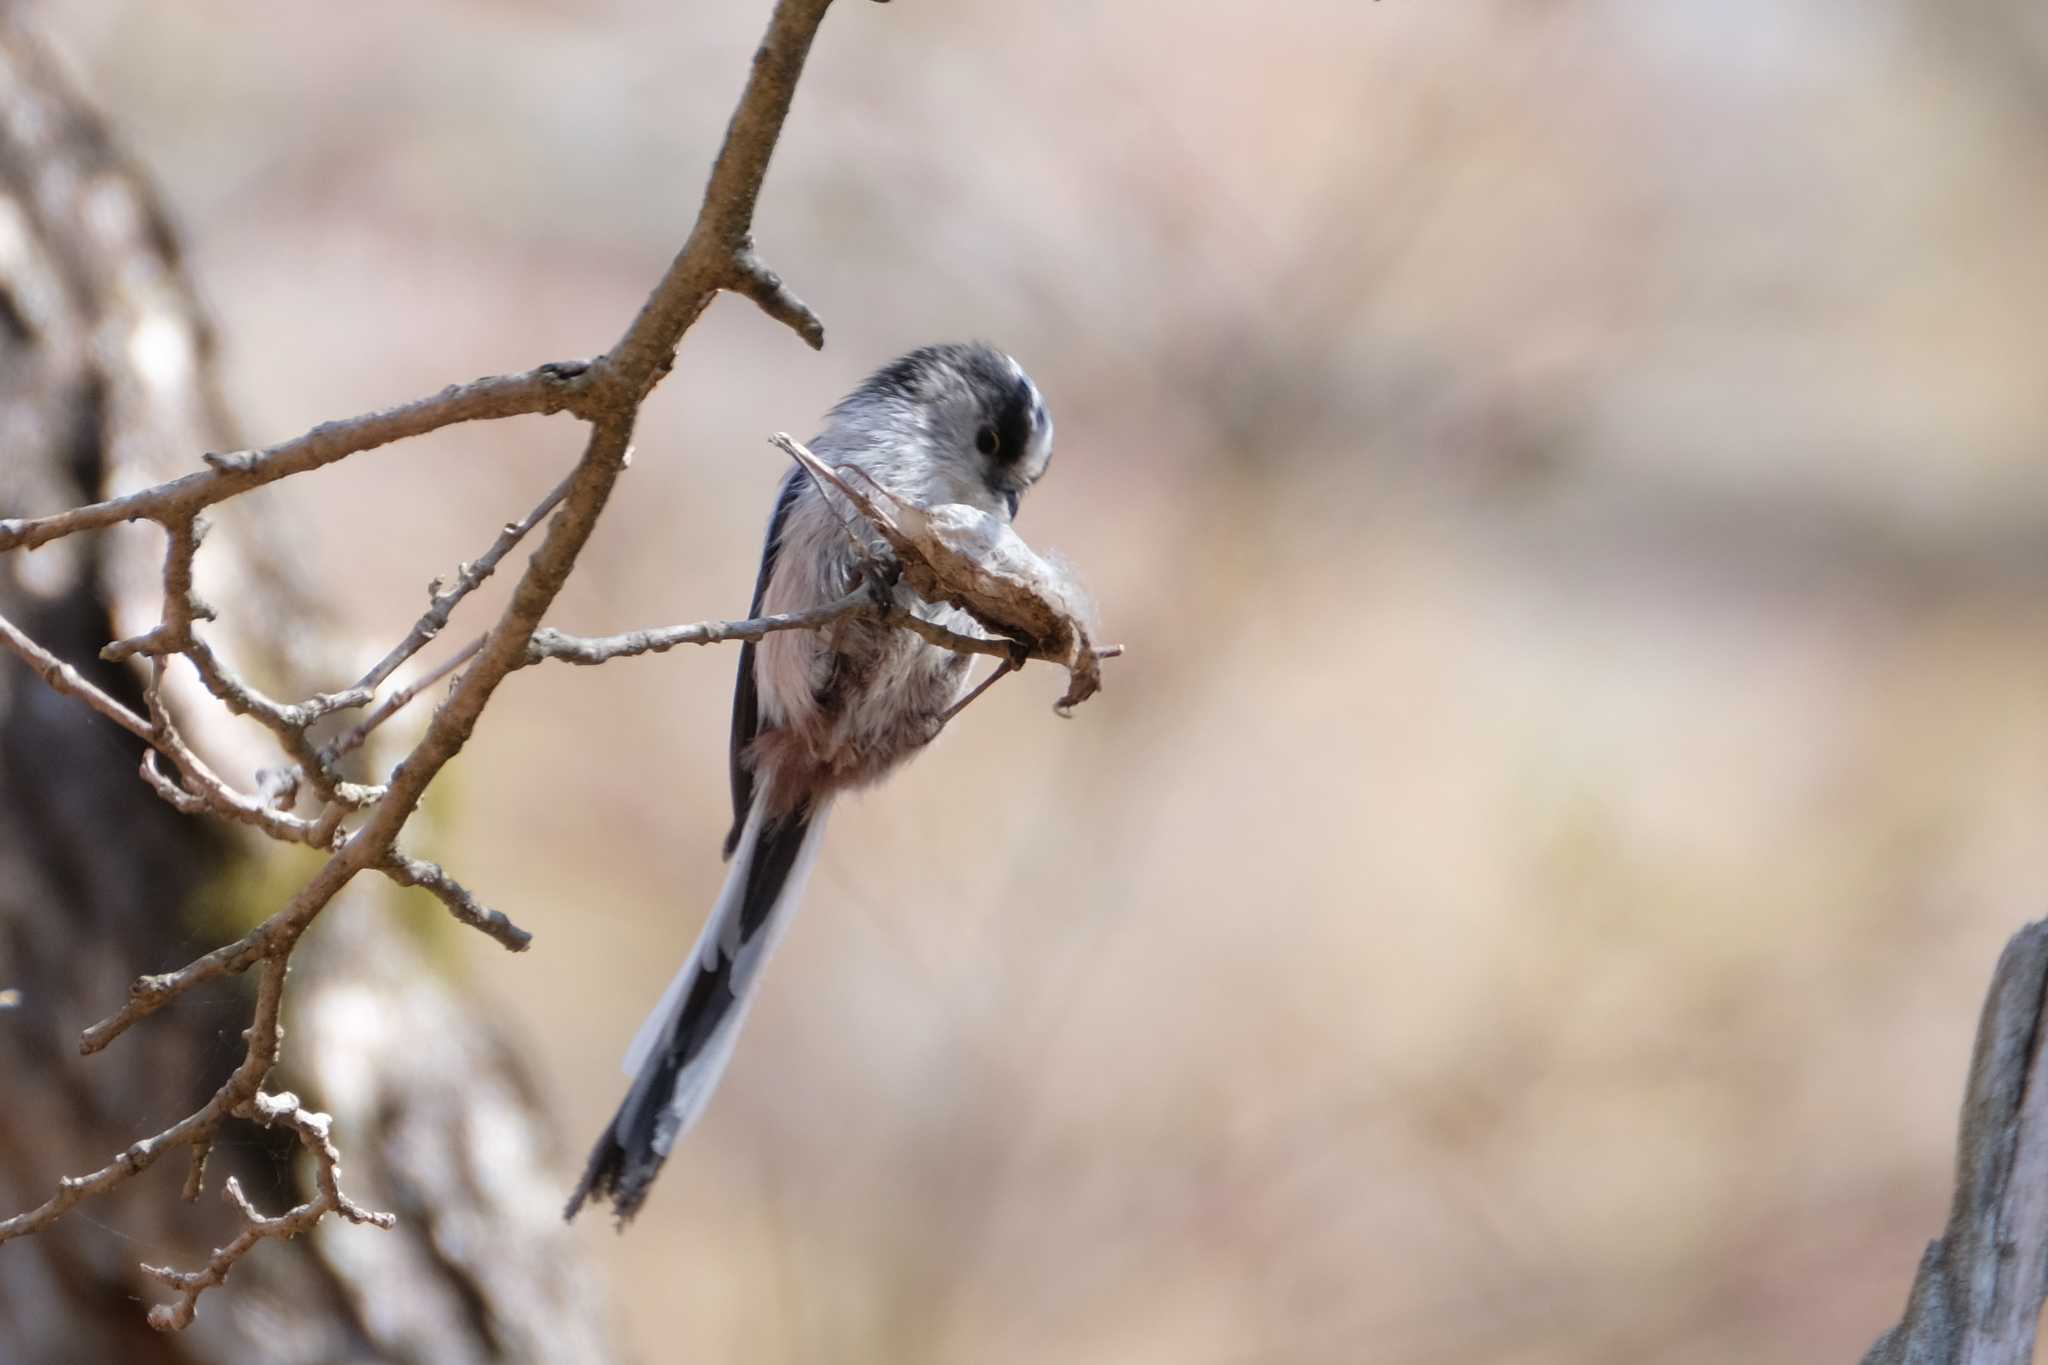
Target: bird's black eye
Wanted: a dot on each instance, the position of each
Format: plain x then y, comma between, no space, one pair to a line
986,441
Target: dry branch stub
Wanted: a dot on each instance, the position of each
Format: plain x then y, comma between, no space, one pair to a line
1977,1297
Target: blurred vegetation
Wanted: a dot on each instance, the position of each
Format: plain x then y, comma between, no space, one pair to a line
1569,475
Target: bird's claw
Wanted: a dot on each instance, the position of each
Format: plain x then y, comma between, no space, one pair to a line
881,577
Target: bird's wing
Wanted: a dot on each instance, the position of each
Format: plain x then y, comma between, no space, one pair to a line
746,700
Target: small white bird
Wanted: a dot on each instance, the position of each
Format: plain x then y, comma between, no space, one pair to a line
817,712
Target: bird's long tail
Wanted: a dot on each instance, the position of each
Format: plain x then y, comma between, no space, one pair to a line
681,1050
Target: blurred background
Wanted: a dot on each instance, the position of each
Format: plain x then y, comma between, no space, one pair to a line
1568,476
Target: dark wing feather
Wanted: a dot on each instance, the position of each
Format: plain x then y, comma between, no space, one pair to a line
746,702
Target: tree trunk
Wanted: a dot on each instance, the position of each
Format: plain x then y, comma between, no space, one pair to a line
105,378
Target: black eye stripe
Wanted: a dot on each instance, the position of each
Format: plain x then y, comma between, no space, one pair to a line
1015,422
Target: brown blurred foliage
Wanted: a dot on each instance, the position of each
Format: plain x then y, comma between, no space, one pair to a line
1569,475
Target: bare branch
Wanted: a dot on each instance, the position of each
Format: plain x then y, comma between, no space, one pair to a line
766,289
549,389
932,633
63,678
397,701
202,783
180,800
720,252
581,649
1002,670
286,721
182,608
461,903
315,1132
148,994
442,605
198,1126
620,380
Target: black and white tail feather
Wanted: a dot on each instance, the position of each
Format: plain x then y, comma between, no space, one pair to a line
816,713
681,1050
676,1059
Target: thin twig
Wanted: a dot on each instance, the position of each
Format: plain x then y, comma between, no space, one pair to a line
199,1125
397,701
182,610
1002,670
584,649
207,786
315,1132
286,721
442,605
548,389
461,903
931,632
148,994
63,678
180,800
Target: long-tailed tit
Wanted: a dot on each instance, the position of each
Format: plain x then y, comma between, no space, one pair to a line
818,712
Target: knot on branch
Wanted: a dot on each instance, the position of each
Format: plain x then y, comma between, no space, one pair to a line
232,461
